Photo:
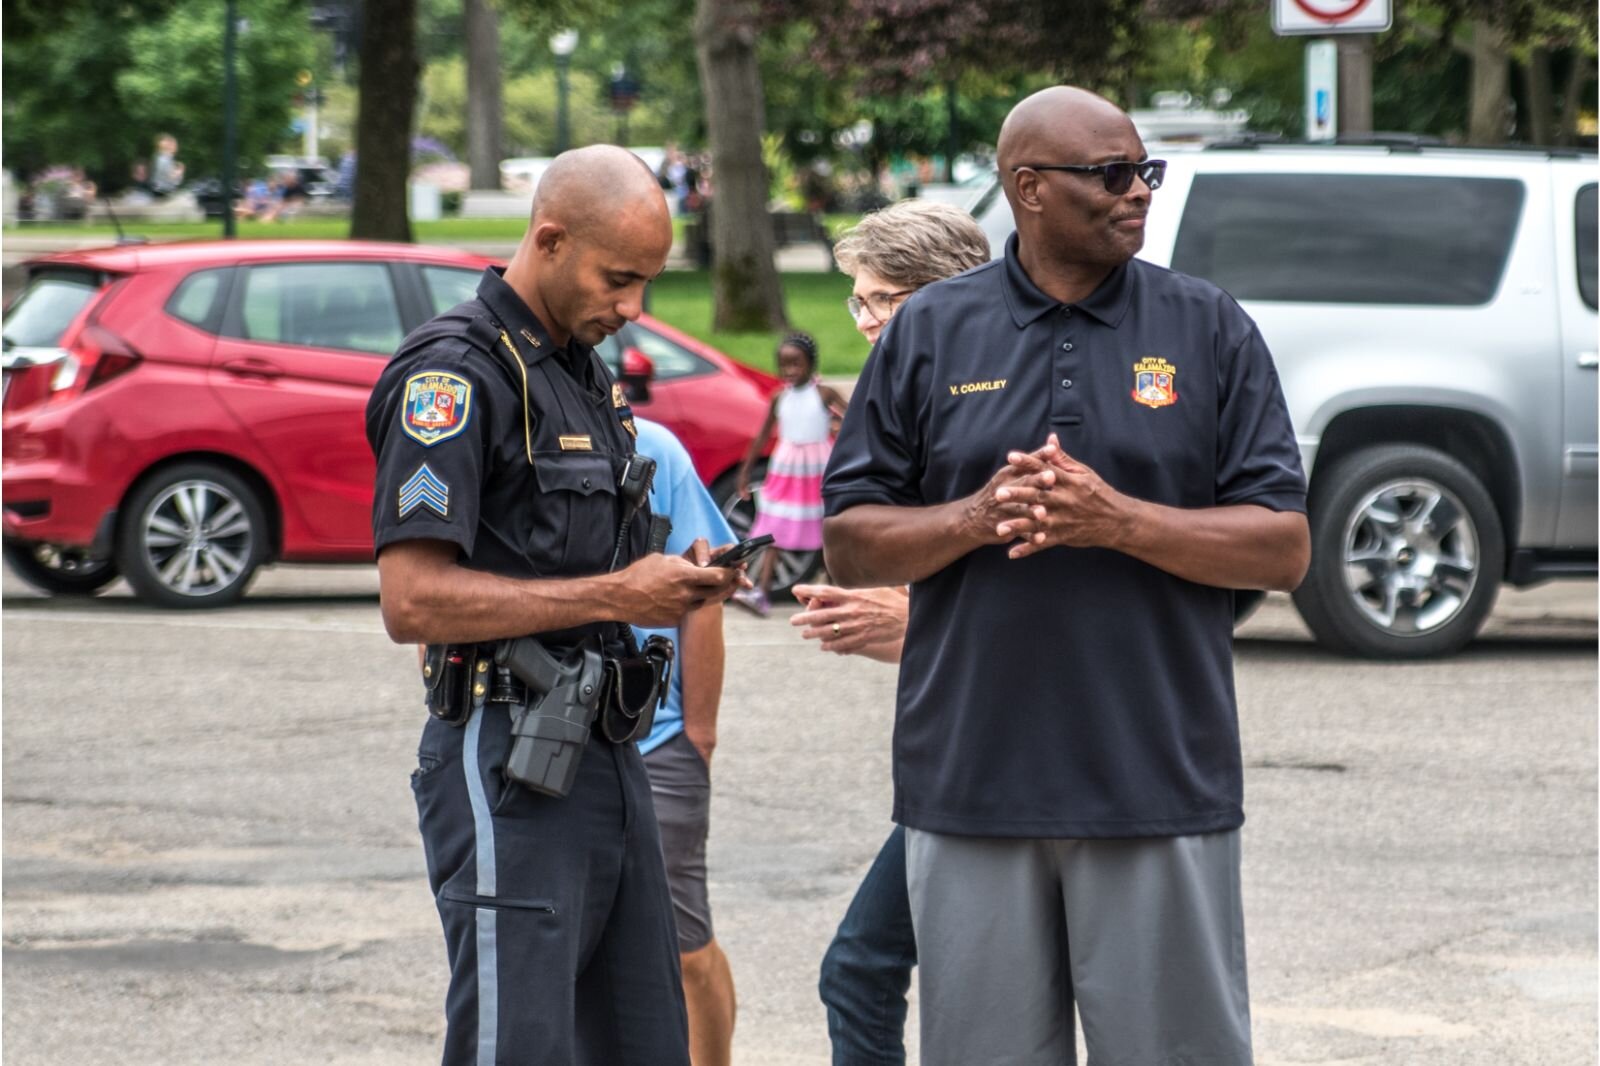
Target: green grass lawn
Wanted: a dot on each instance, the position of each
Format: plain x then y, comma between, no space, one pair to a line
815,303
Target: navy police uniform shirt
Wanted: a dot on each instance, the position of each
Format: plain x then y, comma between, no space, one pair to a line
458,462
1078,692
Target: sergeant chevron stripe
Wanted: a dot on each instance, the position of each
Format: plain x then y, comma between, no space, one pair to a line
424,489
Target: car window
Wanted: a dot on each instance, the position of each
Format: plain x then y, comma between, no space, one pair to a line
448,286
323,305
1587,236
1343,238
46,308
671,359
195,299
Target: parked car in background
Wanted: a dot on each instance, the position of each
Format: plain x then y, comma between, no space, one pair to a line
1432,315
183,414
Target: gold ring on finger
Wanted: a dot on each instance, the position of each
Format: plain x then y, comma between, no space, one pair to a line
836,629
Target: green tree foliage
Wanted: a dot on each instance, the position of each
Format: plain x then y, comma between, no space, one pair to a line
94,84
530,110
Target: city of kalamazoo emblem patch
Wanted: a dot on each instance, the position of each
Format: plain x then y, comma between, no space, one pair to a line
437,406
1155,382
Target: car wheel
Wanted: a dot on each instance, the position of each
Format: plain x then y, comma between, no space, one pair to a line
793,567
192,536
58,570
1406,555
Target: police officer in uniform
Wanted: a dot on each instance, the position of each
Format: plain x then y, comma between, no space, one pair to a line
501,512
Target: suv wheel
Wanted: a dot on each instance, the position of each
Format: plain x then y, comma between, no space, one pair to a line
192,536
1406,555
793,567
58,570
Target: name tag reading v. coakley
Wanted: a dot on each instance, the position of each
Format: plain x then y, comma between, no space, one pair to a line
978,386
576,443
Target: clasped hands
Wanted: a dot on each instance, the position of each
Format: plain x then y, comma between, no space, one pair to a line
1045,498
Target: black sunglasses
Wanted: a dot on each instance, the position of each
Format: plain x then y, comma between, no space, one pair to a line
1118,177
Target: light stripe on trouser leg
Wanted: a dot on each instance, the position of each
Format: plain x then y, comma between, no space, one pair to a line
488,988
483,847
482,824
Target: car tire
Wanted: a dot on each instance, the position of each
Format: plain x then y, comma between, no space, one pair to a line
1245,602
793,567
1407,554
59,571
192,536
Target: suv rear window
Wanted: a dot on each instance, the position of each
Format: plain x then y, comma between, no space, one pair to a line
47,307
1358,239
1586,243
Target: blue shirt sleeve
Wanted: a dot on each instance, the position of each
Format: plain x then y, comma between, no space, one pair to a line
678,493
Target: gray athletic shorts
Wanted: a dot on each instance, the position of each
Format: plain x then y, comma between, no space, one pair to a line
1145,935
681,787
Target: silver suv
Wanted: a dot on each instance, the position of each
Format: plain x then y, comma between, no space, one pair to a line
1432,314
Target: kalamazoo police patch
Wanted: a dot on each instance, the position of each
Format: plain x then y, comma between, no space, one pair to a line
1155,382
437,406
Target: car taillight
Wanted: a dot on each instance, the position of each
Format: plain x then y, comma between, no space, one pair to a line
96,356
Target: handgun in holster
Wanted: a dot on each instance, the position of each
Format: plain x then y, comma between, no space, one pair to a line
549,734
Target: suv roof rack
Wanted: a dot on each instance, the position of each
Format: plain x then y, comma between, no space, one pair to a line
1394,141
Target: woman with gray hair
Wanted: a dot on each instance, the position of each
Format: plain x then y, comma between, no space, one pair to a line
867,969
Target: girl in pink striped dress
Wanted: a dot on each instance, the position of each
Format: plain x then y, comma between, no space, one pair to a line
789,505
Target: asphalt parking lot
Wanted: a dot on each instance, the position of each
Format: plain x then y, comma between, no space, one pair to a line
210,852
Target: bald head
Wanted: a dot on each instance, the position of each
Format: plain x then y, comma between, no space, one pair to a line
1058,125
600,232
600,186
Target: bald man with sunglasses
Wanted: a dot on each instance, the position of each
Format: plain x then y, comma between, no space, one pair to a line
1072,457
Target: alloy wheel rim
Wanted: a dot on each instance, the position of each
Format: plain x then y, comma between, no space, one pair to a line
1410,555
196,537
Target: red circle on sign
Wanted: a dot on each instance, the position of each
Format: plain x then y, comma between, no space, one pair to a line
1332,16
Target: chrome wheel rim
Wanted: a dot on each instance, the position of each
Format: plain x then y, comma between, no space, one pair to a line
1410,556
197,538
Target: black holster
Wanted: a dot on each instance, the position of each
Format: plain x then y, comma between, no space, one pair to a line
635,687
564,695
452,677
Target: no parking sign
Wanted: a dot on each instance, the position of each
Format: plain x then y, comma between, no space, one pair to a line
1324,17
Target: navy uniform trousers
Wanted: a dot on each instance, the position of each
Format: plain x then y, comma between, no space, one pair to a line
556,912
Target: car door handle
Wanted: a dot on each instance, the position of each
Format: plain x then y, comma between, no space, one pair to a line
1589,360
253,368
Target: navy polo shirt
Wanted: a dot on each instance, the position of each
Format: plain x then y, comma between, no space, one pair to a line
1078,692
457,461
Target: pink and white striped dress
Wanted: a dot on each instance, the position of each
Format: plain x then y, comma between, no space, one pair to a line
789,502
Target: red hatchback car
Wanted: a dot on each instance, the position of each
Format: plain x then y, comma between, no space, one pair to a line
182,414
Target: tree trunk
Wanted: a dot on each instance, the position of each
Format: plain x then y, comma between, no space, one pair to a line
1573,98
483,93
388,85
1536,126
745,290
1491,86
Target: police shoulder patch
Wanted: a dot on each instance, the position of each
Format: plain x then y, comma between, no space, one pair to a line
424,489
436,407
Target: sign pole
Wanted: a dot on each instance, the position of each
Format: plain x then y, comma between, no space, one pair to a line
1355,84
1322,90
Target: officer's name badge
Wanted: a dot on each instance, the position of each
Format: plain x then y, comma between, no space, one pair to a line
971,387
437,406
1154,382
576,443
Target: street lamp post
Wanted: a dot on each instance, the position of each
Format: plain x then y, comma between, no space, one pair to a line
563,44
230,116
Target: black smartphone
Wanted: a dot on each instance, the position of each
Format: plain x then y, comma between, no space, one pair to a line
741,551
